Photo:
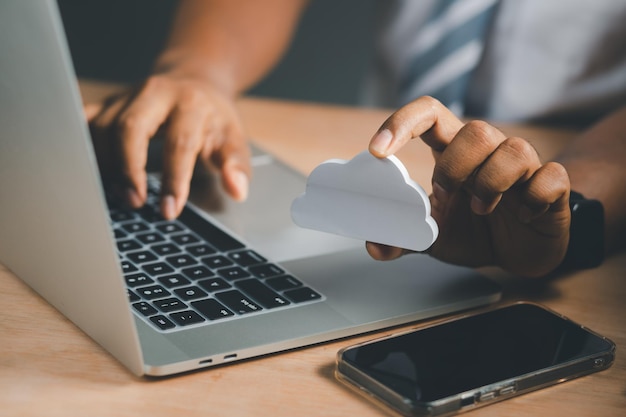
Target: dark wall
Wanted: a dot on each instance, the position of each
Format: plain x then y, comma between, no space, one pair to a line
117,40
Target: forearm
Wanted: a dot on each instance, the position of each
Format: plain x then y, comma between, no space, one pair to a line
233,42
595,163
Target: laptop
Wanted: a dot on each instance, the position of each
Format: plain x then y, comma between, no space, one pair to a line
268,286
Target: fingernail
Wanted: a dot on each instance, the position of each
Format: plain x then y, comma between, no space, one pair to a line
441,195
168,207
241,183
479,206
133,199
380,142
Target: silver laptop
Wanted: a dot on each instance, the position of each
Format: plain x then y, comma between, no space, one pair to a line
270,287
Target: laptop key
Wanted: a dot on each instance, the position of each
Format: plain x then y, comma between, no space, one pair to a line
141,256
201,250
217,261
180,261
128,244
214,284
175,280
122,215
135,227
247,258
135,280
185,318
169,304
238,302
212,309
132,297
150,214
149,237
184,239
266,270
300,295
158,268
165,249
190,293
197,272
119,234
169,227
212,234
283,283
152,292
145,308
261,293
233,273
128,267
162,322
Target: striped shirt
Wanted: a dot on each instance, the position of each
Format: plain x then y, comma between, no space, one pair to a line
543,61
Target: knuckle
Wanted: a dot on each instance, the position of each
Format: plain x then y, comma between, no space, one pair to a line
480,128
518,147
193,97
155,83
435,106
557,169
430,101
482,134
558,175
132,124
550,182
183,141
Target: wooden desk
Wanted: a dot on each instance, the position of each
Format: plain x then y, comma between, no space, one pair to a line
50,368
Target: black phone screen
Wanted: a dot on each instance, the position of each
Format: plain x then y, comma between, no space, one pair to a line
457,356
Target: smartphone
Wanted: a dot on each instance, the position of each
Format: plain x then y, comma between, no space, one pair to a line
474,360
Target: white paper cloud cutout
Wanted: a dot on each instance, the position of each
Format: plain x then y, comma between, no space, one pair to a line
367,198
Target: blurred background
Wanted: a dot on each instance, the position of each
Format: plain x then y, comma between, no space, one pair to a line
117,40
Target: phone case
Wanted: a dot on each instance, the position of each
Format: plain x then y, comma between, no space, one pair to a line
476,397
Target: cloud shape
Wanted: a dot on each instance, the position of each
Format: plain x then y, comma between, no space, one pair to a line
367,198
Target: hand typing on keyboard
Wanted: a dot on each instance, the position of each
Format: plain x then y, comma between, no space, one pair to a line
190,97
198,122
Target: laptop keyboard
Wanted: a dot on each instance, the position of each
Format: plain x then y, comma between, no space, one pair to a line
189,272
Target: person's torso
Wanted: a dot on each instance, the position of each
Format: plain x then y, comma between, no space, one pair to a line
543,60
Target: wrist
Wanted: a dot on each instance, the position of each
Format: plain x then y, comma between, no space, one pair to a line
188,64
586,242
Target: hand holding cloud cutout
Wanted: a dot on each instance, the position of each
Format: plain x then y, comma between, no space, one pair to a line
367,198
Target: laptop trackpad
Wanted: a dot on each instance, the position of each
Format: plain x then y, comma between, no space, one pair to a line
365,290
264,219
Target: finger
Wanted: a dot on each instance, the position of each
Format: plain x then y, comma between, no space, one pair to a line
136,125
108,112
236,173
547,190
382,252
469,149
229,152
513,162
103,114
91,110
233,160
425,117
184,139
